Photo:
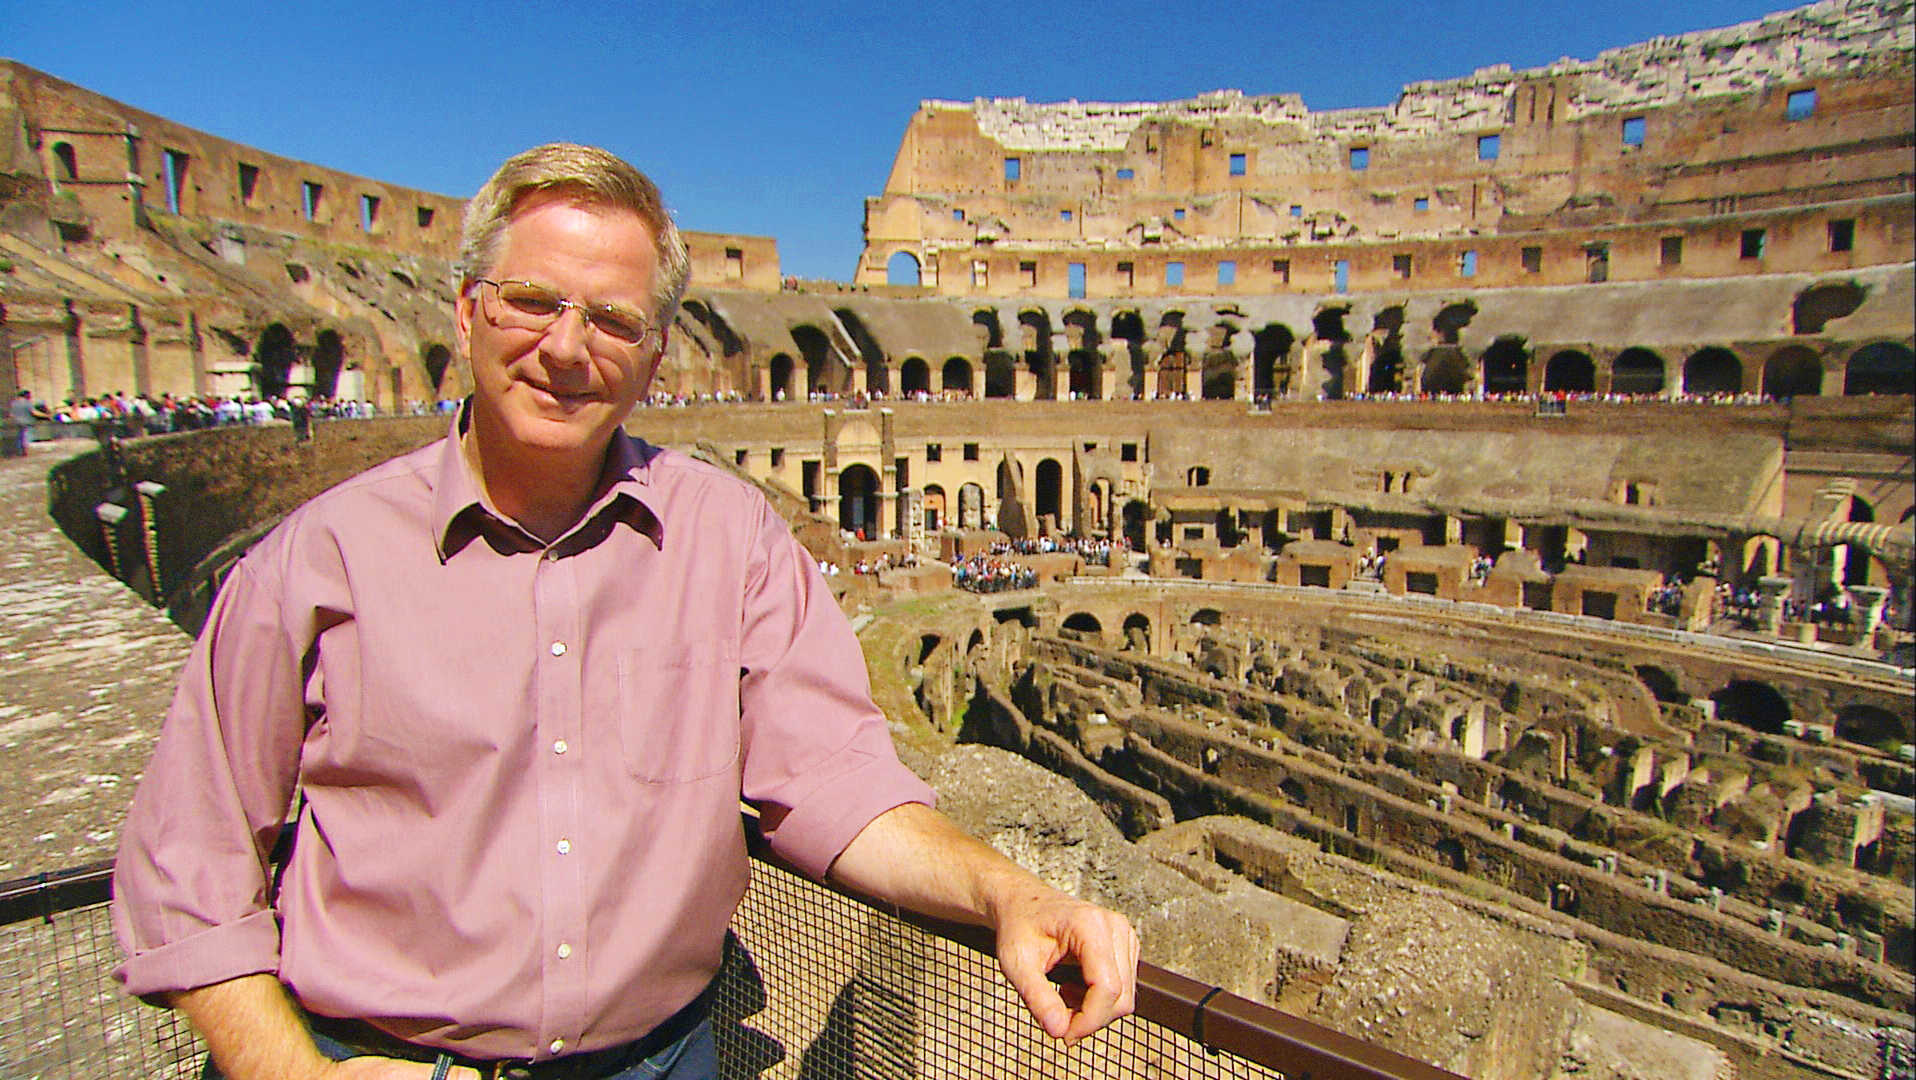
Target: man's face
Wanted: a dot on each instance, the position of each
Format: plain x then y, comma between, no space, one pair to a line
568,387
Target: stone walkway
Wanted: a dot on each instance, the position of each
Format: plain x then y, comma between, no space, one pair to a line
86,672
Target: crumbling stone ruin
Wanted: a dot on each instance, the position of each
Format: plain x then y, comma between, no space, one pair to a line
1473,603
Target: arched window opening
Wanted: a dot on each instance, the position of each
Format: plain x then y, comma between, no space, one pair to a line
1882,368
1637,371
273,359
1570,372
1446,371
957,376
1506,367
437,359
902,269
781,377
858,501
1756,705
1083,622
329,356
1049,497
1793,372
914,376
69,163
1713,370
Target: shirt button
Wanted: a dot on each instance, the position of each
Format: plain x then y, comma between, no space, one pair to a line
559,746
557,1046
558,648
565,951
564,846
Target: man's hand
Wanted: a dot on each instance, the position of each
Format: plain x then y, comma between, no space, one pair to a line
913,856
1039,928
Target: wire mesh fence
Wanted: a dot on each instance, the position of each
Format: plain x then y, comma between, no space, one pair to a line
815,986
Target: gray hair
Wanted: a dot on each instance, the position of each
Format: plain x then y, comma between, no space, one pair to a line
595,176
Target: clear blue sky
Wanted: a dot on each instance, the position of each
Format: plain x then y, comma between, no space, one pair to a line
773,122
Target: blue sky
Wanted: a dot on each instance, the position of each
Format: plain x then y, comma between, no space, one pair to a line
776,121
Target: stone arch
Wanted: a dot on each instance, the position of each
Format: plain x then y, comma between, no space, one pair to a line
1137,631
1506,366
1882,367
1219,382
1001,375
1445,371
273,359
986,320
1638,371
824,372
933,504
956,377
1570,372
1327,327
1271,359
1207,616
1662,685
1753,704
329,355
914,376
1128,326
858,500
1712,370
781,377
1872,725
1048,490
436,358
1035,341
67,160
1794,371
902,269
1137,517
1084,622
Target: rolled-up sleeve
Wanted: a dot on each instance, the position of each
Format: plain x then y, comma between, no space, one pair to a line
819,763
190,901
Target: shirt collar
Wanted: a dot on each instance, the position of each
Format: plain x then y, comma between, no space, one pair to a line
460,513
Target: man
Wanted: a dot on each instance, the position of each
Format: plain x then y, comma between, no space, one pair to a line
522,678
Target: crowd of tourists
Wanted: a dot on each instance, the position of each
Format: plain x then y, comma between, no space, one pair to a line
129,415
1095,551
992,574
884,562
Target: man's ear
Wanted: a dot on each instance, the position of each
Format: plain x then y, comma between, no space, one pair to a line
462,314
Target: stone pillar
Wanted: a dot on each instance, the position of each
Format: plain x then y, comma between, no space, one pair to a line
1769,611
1866,608
887,479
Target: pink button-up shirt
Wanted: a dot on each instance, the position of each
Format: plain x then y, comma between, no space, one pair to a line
522,763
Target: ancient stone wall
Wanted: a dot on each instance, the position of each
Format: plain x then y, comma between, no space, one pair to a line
1696,155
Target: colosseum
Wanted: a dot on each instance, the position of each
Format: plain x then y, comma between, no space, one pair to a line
1443,569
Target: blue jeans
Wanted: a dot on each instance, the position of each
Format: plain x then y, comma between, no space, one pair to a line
694,1057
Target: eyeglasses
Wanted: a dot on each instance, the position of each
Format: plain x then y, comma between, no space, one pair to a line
535,307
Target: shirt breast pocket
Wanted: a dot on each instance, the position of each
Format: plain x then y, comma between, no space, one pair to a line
678,715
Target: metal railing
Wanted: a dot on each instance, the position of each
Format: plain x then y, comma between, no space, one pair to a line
816,985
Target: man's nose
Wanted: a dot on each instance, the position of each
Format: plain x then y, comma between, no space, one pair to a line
565,340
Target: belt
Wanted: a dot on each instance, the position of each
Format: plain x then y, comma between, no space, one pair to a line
589,1065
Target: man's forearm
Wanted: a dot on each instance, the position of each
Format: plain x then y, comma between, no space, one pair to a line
253,1030
914,857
